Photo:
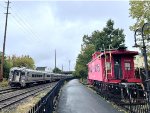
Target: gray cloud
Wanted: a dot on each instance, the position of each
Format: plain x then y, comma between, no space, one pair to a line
38,28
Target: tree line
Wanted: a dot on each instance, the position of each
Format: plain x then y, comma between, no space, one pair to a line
20,61
99,39
17,61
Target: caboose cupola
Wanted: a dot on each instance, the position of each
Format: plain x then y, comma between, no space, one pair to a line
122,65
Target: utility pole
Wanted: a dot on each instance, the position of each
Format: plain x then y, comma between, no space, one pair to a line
62,67
3,53
55,59
69,65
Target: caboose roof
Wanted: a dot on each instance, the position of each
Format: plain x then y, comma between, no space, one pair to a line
115,52
120,52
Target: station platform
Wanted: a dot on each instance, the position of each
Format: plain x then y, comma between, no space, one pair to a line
77,98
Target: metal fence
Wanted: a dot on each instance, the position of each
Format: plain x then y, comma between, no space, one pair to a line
47,103
132,99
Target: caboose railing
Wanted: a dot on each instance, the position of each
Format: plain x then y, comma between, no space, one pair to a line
131,99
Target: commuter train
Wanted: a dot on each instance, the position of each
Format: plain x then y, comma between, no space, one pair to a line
22,77
113,71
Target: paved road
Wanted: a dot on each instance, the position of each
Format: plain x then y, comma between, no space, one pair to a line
76,98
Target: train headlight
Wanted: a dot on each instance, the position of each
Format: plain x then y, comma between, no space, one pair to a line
10,79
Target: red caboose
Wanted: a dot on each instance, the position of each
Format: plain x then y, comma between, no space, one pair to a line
113,66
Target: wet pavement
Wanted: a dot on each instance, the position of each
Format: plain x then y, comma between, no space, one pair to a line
77,98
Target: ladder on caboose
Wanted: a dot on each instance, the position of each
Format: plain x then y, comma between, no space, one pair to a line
110,62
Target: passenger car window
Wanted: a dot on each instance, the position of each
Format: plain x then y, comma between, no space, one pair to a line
22,73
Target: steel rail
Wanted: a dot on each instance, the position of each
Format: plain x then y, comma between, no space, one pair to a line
6,102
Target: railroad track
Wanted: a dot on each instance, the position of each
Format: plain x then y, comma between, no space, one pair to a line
3,89
11,98
7,90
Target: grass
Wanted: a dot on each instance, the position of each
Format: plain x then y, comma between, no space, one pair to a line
83,81
4,83
25,107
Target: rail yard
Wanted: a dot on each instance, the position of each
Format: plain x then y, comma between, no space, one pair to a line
14,96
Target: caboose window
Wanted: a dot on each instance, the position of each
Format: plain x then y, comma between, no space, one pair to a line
127,66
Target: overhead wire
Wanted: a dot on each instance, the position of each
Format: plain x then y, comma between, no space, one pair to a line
19,25
25,22
1,23
13,20
22,23
23,27
17,21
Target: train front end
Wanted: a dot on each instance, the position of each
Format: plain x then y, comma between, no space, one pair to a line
16,78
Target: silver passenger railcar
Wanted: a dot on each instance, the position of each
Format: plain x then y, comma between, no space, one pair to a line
22,77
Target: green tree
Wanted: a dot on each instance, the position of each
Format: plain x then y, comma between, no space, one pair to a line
56,70
7,65
15,61
24,61
83,58
140,11
107,36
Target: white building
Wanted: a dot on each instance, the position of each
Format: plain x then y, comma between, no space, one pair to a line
139,61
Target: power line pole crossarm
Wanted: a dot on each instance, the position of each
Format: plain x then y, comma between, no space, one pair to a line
62,67
3,53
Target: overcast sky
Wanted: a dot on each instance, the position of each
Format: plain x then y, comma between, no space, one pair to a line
37,28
